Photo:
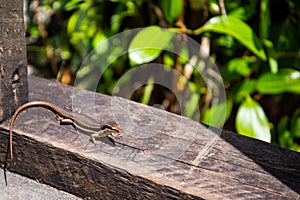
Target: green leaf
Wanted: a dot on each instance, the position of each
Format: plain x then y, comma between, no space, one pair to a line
283,124
239,13
79,19
237,29
34,31
115,22
148,91
273,65
171,9
98,38
148,44
73,4
265,20
246,88
214,116
286,139
286,80
240,66
270,50
192,105
296,128
251,121
295,124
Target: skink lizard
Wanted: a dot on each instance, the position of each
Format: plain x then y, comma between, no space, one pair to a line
84,123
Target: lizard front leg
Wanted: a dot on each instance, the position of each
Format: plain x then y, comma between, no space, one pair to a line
94,136
104,133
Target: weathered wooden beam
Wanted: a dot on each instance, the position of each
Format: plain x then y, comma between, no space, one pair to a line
174,158
13,66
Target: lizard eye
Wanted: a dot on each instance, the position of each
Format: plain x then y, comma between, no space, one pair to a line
116,129
113,126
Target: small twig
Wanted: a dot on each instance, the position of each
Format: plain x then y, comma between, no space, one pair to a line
223,10
159,13
44,35
180,20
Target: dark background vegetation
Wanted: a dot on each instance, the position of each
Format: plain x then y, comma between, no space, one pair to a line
262,88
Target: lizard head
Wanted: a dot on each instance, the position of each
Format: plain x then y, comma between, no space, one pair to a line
113,129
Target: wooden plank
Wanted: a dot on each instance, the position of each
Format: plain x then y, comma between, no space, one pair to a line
13,66
160,156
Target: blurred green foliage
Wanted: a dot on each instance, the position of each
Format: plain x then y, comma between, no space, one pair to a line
255,44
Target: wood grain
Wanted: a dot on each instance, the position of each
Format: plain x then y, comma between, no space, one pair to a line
13,66
160,156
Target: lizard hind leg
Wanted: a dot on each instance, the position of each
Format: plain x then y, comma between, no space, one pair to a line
70,108
64,120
